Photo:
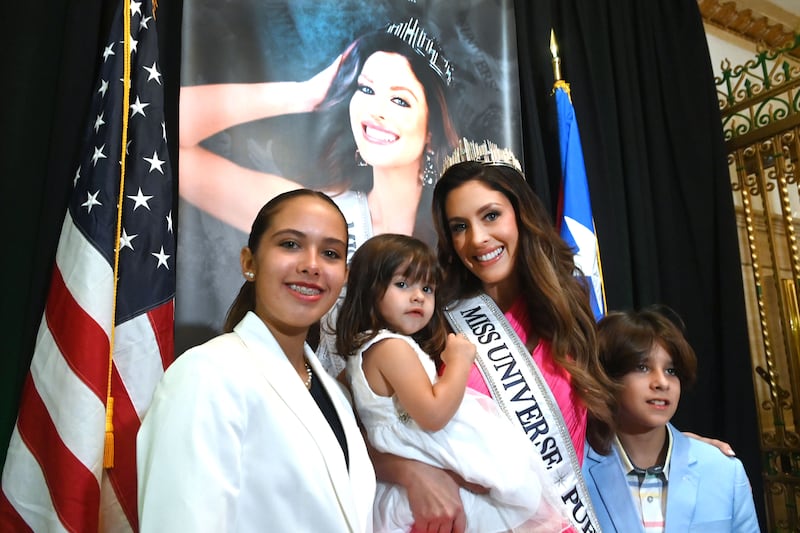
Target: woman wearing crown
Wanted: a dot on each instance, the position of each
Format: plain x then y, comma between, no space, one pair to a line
383,128
510,280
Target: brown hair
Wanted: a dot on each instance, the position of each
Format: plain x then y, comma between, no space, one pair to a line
557,301
371,270
246,299
626,338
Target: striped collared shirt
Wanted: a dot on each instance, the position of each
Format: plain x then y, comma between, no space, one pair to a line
648,487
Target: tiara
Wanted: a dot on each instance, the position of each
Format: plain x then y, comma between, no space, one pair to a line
415,36
485,152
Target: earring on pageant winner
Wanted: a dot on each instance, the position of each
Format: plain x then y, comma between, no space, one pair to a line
428,172
360,160
249,275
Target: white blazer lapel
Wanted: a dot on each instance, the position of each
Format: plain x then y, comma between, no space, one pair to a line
362,476
682,485
269,358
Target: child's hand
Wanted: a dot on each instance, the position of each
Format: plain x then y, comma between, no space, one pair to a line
458,350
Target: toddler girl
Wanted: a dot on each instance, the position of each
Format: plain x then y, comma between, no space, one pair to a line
387,326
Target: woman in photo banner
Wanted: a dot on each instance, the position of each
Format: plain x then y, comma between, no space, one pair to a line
383,128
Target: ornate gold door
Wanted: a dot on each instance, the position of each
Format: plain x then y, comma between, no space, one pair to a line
760,105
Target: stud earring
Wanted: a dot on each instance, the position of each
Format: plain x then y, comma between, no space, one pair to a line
249,275
360,160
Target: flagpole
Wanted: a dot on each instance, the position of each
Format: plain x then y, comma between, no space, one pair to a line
575,204
558,81
556,59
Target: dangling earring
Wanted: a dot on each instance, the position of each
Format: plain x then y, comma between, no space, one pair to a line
428,172
359,160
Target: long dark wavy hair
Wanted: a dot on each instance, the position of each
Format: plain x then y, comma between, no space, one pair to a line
337,169
246,299
371,270
557,302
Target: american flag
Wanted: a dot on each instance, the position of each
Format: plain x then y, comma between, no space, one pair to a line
54,477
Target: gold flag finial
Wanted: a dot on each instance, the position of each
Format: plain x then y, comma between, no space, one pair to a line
556,59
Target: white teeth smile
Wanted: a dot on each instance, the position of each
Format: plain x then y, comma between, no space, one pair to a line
661,403
306,291
379,135
490,255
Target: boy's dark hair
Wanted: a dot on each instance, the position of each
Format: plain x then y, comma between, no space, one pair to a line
371,270
625,338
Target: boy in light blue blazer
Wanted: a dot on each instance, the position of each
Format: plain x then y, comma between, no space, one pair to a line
656,479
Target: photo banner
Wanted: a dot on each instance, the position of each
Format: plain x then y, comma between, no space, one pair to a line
359,100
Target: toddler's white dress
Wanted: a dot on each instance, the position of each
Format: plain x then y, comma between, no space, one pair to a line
479,443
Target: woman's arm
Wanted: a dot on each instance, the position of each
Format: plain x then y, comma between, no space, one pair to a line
432,492
209,109
220,187
227,191
188,452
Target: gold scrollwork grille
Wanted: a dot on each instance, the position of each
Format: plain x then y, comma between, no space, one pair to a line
760,104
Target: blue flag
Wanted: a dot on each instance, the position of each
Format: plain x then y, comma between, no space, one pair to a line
576,222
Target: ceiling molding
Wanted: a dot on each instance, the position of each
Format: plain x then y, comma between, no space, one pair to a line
754,27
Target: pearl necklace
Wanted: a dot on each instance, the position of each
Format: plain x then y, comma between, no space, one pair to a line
307,382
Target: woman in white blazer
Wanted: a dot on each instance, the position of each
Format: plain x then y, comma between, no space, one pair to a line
247,432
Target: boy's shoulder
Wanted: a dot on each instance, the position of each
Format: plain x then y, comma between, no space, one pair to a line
702,452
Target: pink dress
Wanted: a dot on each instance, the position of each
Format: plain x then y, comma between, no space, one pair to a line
572,408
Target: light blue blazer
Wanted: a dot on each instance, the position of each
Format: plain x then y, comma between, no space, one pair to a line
707,491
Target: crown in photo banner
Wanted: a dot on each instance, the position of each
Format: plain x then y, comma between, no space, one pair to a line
415,36
485,152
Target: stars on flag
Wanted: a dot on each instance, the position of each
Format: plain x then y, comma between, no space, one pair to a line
91,201
140,200
137,108
144,233
98,154
154,73
108,52
98,122
162,258
125,240
155,162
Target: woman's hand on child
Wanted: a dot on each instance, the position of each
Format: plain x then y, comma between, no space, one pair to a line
724,447
458,349
434,500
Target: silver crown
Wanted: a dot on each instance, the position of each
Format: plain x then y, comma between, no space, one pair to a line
415,36
485,152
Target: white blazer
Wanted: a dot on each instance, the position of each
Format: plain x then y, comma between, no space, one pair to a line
233,442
